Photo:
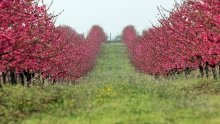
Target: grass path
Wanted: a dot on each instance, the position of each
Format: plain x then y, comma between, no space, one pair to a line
114,93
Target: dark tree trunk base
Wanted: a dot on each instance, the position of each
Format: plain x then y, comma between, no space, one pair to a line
28,75
201,70
219,69
207,70
214,72
4,77
13,77
21,75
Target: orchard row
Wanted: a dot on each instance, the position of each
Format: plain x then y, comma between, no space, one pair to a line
187,39
31,44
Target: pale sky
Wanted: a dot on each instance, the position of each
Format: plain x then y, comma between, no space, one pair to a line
112,15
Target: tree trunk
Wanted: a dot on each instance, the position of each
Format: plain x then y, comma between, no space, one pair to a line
187,72
207,69
201,70
4,77
28,76
32,75
43,80
21,75
214,72
54,81
13,77
0,82
219,68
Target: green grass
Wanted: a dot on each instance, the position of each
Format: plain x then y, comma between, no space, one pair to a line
114,93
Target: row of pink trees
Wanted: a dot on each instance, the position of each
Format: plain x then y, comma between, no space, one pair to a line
31,44
188,39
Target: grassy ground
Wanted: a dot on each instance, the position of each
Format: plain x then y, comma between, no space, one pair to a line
114,93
